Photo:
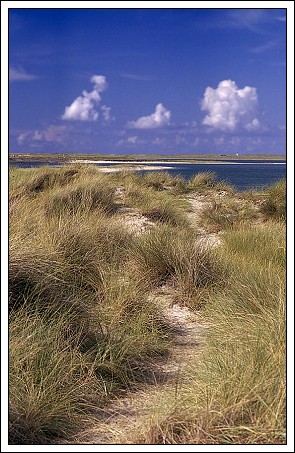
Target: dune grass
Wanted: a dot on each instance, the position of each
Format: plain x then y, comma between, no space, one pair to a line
162,207
164,255
226,213
75,309
161,180
51,382
237,390
83,327
32,181
85,196
274,207
208,180
165,209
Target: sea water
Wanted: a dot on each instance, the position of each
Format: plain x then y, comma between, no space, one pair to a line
242,174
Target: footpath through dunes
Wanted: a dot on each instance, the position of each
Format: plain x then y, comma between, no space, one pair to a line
126,417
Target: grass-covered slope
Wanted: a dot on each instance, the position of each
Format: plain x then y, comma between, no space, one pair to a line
236,391
84,328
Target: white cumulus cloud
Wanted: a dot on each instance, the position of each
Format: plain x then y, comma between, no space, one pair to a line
83,108
161,117
229,107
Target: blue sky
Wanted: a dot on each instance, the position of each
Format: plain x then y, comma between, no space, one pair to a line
147,80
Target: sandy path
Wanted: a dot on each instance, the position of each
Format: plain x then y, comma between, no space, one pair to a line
199,203
123,417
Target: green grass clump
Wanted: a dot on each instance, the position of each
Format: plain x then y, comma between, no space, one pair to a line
207,180
153,255
133,333
274,206
83,196
164,181
163,207
266,245
204,179
59,259
164,254
50,382
33,181
66,361
227,213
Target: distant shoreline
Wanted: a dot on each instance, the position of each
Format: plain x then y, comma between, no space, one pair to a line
142,159
148,167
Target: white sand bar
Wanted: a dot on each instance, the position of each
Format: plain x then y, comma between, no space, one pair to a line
131,168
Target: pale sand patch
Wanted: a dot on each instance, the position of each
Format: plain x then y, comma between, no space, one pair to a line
131,168
127,168
199,204
136,223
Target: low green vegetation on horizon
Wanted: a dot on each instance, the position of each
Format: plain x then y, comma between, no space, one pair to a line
67,157
83,327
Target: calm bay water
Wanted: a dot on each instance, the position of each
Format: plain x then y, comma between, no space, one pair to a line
242,174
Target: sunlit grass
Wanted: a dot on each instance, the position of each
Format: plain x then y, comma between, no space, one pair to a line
83,326
276,201
236,391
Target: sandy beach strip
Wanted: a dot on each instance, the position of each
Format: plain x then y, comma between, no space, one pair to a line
131,168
